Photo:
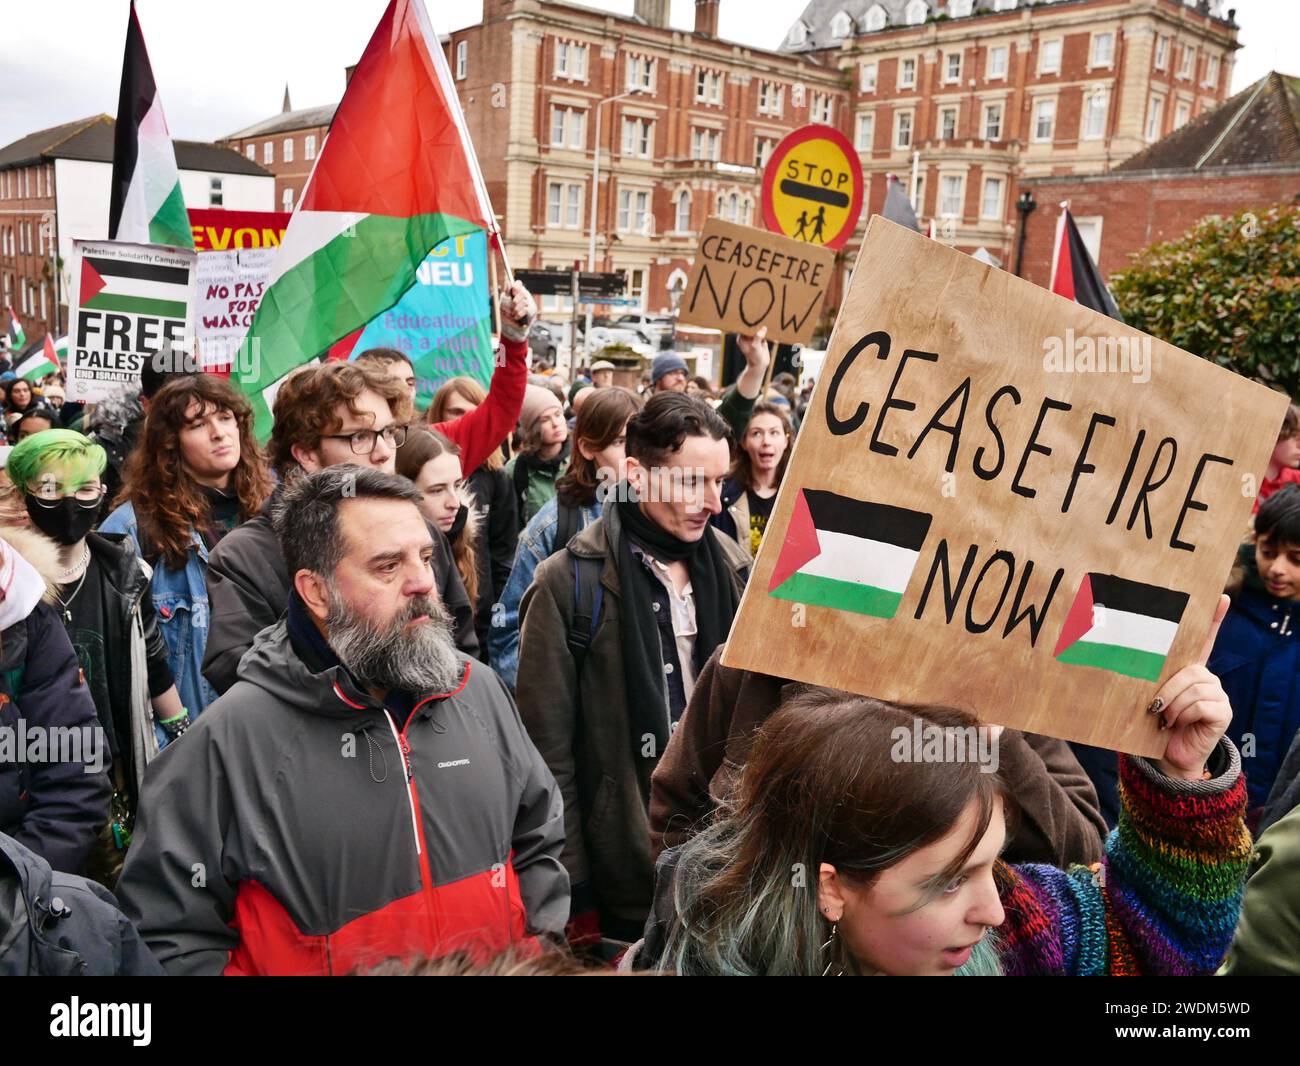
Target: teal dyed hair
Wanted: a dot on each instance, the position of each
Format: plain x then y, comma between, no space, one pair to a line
79,457
821,786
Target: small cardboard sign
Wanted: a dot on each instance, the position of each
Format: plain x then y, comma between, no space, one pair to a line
745,278
1003,501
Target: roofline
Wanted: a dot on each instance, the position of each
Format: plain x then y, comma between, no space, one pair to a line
1182,173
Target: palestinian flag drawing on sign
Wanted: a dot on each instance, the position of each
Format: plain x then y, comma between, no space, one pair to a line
397,175
847,554
1120,625
145,205
134,288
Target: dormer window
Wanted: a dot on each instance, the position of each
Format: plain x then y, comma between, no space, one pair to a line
841,25
875,19
917,12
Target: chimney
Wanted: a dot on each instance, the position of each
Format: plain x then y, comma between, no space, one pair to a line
706,17
652,12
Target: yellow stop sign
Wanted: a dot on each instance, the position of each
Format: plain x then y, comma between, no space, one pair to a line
812,187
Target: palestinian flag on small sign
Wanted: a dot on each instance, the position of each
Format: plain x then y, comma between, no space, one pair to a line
145,205
134,288
847,554
1120,625
40,363
17,338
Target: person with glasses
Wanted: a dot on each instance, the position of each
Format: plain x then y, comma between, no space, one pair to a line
103,598
325,415
196,475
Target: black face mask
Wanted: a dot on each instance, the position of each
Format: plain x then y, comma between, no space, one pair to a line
66,522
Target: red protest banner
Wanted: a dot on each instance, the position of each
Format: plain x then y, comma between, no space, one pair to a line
218,230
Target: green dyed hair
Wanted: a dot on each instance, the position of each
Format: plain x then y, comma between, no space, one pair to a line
79,456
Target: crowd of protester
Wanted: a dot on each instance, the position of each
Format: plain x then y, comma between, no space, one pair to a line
441,691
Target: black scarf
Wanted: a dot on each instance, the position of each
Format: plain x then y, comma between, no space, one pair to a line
716,601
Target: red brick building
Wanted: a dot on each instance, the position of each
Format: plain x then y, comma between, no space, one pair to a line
286,145
1244,154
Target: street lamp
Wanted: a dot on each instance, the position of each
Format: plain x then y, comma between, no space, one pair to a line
1024,205
675,293
595,194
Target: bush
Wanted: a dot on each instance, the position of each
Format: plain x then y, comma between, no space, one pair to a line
1228,290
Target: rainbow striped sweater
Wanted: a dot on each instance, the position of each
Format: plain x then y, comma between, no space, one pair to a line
1164,900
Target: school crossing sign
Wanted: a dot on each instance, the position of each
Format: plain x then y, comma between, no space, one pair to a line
812,187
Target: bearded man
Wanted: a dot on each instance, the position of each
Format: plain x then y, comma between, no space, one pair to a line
364,790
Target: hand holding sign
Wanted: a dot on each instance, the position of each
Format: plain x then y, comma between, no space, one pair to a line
1193,704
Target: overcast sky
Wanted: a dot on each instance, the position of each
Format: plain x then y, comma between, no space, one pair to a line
223,65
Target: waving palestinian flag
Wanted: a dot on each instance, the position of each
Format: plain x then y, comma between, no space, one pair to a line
43,361
1122,626
847,554
17,338
146,204
397,176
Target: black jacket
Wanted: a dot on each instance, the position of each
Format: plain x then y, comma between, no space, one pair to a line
61,925
126,585
248,591
55,808
498,537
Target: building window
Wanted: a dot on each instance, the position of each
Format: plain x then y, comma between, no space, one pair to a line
286,200
991,202
875,19
633,209
952,69
1186,61
568,128
947,123
1049,57
708,86
1182,114
1094,114
288,149
1212,72
462,59
1155,117
640,73
907,74
993,122
959,8
571,60
823,107
841,25
771,98
268,153
866,132
215,194
250,150
638,137
917,12
997,66
1162,53
763,147
1103,49
705,144
309,146
951,188
682,213
564,205
1044,120
903,129
869,77
1004,5
636,286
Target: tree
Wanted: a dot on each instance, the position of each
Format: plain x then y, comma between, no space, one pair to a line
1228,290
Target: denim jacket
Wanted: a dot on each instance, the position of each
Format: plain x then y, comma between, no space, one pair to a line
181,599
536,542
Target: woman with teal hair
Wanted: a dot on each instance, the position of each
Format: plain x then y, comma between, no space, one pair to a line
103,598
851,848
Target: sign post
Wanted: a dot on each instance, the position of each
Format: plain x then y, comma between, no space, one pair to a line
1003,501
813,188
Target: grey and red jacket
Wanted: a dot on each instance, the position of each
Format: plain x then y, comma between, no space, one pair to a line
301,827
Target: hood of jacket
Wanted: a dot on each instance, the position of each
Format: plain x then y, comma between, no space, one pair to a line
114,414
273,665
37,549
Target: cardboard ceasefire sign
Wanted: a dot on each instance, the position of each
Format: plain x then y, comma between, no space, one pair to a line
1002,501
812,187
744,278
128,301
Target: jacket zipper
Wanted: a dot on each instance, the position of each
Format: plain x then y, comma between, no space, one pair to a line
405,749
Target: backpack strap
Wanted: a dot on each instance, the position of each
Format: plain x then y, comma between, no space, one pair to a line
566,524
520,476
588,596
